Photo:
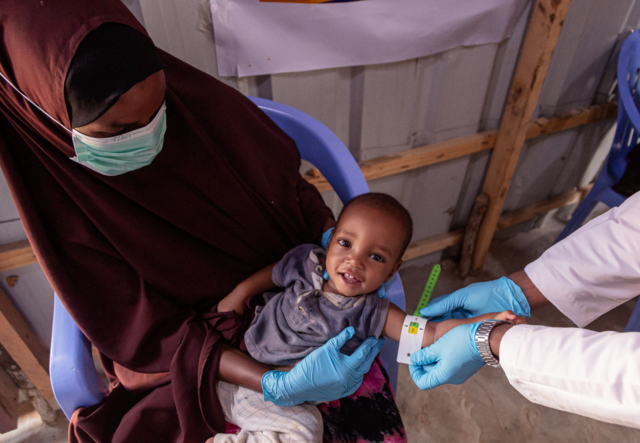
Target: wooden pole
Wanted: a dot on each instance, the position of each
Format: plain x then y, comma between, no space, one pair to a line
542,37
471,234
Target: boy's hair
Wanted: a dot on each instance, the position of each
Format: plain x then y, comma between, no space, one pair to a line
388,205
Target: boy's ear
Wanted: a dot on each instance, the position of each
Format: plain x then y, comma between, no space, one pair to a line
394,270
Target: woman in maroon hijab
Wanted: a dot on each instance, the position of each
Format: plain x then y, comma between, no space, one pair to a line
170,190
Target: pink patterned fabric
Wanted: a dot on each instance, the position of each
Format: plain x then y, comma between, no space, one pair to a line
345,422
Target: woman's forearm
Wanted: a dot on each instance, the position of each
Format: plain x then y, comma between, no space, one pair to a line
257,283
238,368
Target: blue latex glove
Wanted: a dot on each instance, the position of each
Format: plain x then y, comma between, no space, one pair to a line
324,375
477,299
326,237
452,359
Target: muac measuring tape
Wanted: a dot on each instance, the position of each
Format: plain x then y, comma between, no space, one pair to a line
414,326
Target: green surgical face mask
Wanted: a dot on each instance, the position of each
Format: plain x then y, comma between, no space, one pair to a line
122,153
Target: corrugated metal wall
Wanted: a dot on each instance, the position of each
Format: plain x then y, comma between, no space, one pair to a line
383,109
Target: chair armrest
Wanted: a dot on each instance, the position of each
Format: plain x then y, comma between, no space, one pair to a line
74,378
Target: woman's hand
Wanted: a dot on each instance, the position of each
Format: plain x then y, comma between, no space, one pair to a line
232,302
324,375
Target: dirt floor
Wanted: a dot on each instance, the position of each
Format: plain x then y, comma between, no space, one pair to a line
484,409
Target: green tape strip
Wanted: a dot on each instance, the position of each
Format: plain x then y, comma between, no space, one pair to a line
428,290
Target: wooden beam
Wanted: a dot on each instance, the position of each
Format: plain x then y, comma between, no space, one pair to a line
513,218
570,120
47,413
542,37
441,241
459,147
416,158
427,155
433,244
14,255
23,346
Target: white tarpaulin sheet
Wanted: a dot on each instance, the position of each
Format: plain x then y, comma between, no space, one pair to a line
255,38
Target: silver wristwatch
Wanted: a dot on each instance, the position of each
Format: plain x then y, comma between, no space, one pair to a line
482,341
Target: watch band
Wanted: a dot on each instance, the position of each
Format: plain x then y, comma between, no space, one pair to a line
482,341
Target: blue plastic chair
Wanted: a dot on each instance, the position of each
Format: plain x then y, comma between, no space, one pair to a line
625,139
74,378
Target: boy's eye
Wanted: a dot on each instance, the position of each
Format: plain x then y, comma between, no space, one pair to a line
343,242
377,257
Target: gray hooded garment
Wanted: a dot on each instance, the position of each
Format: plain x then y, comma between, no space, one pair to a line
302,318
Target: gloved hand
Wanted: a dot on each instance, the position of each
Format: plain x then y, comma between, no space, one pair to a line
324,375
452,359
479,298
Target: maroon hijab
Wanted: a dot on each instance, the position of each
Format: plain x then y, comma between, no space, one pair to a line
141,259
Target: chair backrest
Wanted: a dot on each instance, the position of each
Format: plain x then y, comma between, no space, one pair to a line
319,146
74,378
628,130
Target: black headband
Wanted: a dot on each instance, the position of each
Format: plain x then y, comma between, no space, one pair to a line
108,62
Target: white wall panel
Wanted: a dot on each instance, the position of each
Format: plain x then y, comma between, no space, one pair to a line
323,94
388,104
173,26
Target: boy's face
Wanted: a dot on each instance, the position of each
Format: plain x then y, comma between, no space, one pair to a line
364,251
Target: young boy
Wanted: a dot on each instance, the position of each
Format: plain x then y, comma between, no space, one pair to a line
324,292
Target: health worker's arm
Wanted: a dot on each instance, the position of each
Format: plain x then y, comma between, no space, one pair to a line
595,269
594,374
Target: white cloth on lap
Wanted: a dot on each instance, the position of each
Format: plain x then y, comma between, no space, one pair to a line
264,422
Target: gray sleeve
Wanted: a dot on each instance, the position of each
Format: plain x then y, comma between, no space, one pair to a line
378,316
292,266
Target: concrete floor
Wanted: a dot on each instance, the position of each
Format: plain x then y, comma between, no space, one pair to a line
486,408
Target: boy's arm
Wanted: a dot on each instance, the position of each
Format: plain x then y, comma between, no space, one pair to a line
447,325
256,284
395,319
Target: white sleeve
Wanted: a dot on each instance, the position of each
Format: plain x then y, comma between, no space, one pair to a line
596,268
595,374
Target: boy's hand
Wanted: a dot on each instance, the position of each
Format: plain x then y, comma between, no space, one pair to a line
510,317
232,302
